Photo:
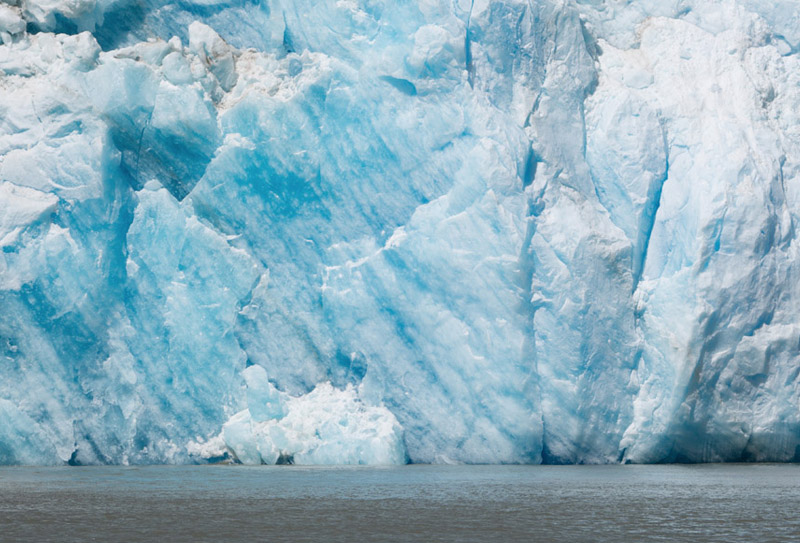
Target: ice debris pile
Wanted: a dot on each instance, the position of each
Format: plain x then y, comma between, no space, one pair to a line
325,426
368,231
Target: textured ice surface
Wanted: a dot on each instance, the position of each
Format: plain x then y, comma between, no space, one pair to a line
379,231
325,426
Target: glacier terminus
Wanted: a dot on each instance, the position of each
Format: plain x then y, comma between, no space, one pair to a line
385,231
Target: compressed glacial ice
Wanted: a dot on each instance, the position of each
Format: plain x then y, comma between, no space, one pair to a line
376,232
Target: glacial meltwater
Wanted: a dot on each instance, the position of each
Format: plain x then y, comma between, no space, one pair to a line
706,503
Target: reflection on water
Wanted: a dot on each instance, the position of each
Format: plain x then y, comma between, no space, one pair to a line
412,503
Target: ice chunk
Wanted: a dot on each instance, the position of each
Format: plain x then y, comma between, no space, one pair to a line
213,51
11,23
19,208
325,426
165,127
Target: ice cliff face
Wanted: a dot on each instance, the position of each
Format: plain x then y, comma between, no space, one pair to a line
377,231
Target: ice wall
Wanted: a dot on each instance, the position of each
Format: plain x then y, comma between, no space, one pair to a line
373,232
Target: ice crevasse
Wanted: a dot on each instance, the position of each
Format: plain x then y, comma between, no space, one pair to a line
368,231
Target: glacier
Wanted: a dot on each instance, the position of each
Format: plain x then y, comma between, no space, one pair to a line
377,232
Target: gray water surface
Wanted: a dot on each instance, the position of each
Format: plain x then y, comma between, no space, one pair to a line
704,503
